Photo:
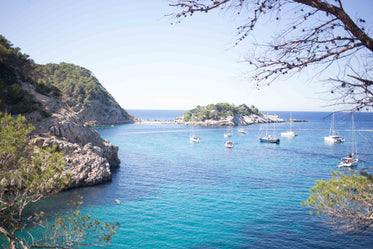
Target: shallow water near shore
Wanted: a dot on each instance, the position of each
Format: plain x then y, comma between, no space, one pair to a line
177,194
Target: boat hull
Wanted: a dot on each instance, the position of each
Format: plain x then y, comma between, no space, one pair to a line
273,140
194,139
289,134
334,139
348,162
229,145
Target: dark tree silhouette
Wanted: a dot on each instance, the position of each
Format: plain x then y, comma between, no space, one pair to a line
315,33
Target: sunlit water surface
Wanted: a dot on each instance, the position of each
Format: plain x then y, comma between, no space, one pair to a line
176,194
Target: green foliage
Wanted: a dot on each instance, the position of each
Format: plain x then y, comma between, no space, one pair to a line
75,228
13,58
345,201
22,169
76,83
72,84
16,66
219,111
28,174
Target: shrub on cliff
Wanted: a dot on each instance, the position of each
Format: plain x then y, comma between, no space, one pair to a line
28,174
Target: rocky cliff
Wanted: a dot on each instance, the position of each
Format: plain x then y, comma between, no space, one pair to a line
88,156
62,101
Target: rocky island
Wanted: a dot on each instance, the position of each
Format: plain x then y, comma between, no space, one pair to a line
63,102
225,114
222,114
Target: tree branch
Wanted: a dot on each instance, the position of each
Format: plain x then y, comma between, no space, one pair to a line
343,17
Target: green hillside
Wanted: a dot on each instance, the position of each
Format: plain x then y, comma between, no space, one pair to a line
14,68
77,84
72,84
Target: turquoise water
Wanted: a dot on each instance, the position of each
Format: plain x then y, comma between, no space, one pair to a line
175,194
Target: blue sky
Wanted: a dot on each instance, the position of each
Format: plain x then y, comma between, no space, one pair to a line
145,62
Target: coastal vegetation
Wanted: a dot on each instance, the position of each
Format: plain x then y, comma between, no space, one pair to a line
14,67
77,85
29,174
74,85
218,111
35,166
320,33
344,201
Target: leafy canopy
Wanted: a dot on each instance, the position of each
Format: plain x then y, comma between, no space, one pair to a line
345,202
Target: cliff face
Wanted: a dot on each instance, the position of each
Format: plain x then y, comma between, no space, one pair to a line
101,112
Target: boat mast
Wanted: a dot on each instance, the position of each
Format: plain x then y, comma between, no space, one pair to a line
332,131
192,124
353,137
267,125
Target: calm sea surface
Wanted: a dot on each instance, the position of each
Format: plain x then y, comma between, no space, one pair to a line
175,194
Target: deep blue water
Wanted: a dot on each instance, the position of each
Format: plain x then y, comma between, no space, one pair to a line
175,194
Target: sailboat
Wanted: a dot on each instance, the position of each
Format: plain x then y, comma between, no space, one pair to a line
352,158
333,135
289,133
268,138
193,138
228,133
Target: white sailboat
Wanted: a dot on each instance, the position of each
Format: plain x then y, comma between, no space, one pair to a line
333,135
268,138
352,158
291,132
228,133
193,138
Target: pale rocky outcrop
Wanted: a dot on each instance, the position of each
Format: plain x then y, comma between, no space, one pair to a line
238,120
87,164
87,155
104,110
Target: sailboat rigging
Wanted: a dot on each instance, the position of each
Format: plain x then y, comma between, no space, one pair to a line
268,138
290,133
228,133
333,135
193,138
352,158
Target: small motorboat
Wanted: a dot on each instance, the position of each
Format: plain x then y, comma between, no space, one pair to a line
229,144
193,138
242,131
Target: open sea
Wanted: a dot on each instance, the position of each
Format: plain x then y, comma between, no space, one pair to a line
176,194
